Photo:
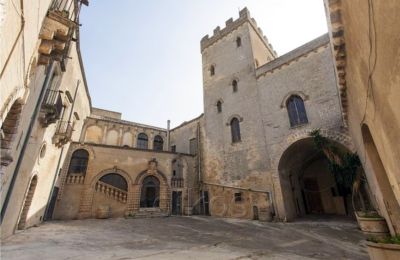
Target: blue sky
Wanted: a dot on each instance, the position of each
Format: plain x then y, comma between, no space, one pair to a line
142,57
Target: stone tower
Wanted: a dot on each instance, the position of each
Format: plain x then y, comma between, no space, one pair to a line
230,59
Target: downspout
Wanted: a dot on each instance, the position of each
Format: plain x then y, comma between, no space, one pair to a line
60,157
26,139
201,192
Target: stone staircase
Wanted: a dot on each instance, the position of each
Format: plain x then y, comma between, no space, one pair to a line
148,213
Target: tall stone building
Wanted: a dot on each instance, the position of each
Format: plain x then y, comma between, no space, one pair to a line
249,155
44,103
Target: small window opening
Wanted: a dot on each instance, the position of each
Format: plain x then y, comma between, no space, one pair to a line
238,196
234,85
219,106
238,42
212,70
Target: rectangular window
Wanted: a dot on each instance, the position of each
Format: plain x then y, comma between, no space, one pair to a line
238,196
193,146
173,148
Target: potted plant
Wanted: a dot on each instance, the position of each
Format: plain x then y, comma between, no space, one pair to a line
384,248
348,173
369,220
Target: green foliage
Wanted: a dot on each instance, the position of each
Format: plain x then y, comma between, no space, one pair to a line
345,169
386,240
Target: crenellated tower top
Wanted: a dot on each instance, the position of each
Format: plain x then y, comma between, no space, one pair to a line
230,25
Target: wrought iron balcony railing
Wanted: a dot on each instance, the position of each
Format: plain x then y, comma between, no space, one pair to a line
63,133
52,107
177,182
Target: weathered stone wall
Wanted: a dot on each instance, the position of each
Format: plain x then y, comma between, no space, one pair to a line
22,80
366,49
181,135
133,165
260,105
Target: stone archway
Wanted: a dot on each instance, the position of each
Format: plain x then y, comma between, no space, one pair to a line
27,203
150,192
307,185
9,130
157,176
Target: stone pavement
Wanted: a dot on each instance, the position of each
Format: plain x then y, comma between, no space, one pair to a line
194,237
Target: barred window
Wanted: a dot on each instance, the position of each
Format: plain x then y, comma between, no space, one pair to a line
79,162
158,143
142,141
238,196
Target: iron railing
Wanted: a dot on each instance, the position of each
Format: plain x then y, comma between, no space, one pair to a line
68,9
63,133
52,107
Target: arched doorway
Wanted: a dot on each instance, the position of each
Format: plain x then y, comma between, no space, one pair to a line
27,203
389,199
308,185
150,193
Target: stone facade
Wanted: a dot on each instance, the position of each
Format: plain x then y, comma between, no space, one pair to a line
249,155
43,107
264,85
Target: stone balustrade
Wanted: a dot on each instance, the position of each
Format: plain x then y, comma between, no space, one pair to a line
111,191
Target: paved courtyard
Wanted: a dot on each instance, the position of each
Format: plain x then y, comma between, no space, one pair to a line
187,238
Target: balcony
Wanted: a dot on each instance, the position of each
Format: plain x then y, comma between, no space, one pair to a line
58,30
52,107
177,182
63,133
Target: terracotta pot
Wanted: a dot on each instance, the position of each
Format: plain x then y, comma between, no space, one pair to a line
373,226
381,251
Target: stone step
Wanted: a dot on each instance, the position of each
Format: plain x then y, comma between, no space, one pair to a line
148,213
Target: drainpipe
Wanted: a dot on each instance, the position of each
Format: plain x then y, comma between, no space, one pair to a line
168,135
26,139
46,212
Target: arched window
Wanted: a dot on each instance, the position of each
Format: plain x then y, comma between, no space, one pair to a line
238,42
79,162
115,180
158,143
235,130
142,141
296,110
234,85
212,70
219,106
